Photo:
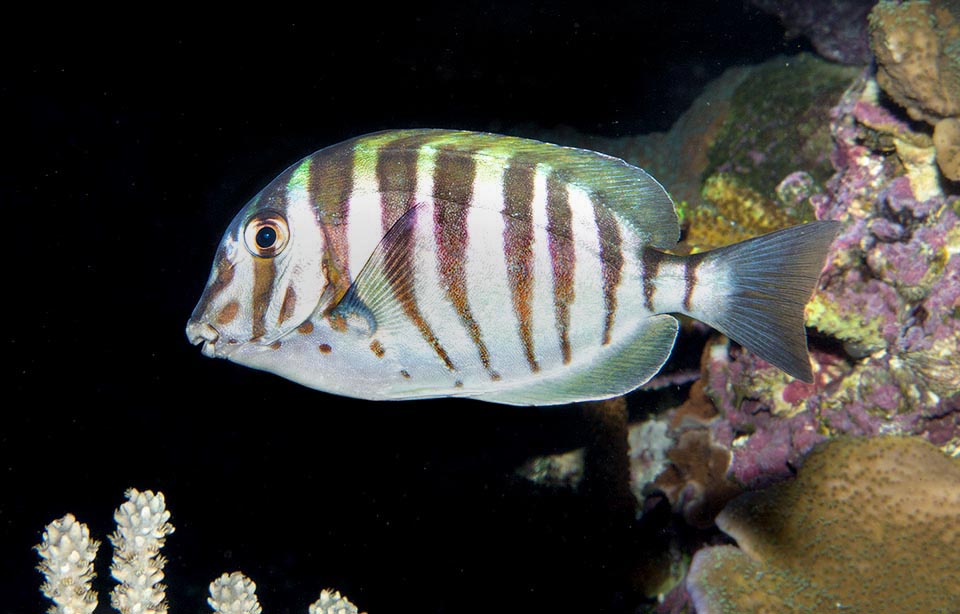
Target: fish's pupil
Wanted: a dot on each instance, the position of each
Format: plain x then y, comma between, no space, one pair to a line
266,237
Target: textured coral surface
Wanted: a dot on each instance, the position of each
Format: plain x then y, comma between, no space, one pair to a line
917,48
869,525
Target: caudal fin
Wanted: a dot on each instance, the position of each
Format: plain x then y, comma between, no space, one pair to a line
767,282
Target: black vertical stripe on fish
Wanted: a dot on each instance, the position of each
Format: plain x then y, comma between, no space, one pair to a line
398,267
396,172
611,263
288,306
690,266
453,177
330,188
272,197
331,182
651,267
264,273
563,257
518,192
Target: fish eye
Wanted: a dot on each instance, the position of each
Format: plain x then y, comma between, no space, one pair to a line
266,234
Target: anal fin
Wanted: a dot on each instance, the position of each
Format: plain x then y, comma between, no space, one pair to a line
619,369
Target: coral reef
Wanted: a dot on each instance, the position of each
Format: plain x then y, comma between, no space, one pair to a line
885,321
890,295
887,507
67,555
917,47
836,28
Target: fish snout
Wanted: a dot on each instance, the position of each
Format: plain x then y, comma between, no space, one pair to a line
201,332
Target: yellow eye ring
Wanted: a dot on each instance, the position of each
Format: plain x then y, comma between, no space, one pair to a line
266,234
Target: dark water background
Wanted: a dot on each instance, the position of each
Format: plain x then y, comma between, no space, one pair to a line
126,152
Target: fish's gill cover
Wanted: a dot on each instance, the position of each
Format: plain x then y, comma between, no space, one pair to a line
621,187
869,525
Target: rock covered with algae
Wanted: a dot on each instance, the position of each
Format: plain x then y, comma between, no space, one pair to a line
868,525
887,313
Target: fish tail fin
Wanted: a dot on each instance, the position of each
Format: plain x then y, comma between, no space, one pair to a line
760,288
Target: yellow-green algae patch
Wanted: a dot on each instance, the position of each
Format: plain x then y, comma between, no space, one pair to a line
732,211
868,525
845,325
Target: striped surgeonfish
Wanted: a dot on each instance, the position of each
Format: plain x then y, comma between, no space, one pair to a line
428,263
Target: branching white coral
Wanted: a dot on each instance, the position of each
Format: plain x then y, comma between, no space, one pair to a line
66,561
332,602
234,594
67,554
142,528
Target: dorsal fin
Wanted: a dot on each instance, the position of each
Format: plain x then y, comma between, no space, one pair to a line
624,189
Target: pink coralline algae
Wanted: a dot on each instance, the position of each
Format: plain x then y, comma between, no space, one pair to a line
886,320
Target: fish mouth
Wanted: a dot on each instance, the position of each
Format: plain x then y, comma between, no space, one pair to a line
201,332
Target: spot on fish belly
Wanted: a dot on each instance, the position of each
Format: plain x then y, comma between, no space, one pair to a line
325,348
377,348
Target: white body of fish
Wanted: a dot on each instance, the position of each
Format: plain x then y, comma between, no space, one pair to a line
426,263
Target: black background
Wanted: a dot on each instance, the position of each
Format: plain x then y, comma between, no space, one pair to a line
128,148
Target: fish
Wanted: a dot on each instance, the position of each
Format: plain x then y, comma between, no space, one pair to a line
413,264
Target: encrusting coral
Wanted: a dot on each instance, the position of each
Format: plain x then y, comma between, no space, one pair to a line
868,525
917,47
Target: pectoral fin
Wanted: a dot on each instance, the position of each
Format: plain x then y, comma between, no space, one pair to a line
376,296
